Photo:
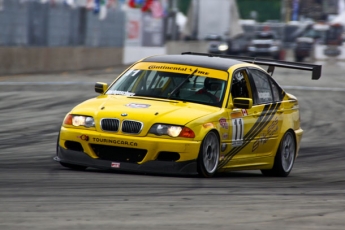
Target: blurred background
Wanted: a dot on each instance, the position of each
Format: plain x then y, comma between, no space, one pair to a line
38,36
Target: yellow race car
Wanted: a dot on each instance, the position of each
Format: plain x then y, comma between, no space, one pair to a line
192,113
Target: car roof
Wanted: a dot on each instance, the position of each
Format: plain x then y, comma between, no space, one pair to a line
195,60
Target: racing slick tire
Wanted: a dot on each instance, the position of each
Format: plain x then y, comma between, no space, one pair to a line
285,157
208,158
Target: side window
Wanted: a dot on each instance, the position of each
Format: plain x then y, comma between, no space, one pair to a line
276,91
262,85
240,84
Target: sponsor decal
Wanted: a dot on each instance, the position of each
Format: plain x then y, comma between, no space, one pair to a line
272,128
185,69
223,123
223,147
164,67
236,115
124,93
244,112
140,106
115,164
264,119
118,142
208,125
83,137
225,136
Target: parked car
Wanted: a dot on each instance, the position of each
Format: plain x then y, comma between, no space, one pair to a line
217,44
232,46
310,35
265,43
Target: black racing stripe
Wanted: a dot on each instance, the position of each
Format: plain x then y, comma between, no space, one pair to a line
259,125
235,150
264,119
228,157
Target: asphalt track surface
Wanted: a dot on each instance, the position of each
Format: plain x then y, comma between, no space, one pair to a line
37,193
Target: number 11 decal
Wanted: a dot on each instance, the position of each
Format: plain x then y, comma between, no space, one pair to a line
237,131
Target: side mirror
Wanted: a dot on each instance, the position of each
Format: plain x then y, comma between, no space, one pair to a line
243,103
101,87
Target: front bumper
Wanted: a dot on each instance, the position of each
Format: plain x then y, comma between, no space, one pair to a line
127,152
80,158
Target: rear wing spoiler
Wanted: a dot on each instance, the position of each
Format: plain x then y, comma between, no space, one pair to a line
316,69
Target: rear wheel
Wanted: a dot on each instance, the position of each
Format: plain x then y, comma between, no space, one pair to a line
285,157
209,155
74,167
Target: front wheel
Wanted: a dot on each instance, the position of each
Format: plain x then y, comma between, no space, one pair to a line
285,157
209,155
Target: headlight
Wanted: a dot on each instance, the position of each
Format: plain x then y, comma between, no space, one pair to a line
78,120
223,47
274,48
172,130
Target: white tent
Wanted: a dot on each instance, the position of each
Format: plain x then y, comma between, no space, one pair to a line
213,17
340,19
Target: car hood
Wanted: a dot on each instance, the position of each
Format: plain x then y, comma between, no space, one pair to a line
149,111
305,39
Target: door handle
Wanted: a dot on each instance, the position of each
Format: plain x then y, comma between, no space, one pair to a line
280,111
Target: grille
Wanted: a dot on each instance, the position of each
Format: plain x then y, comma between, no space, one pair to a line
110,125
119,154
263,45
131,126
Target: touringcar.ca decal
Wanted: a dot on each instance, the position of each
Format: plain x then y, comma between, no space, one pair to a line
110,141
265,117
272,128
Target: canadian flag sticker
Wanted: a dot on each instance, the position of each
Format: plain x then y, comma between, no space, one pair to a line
244,112
115,164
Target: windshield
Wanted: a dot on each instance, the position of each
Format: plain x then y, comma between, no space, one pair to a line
170,85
